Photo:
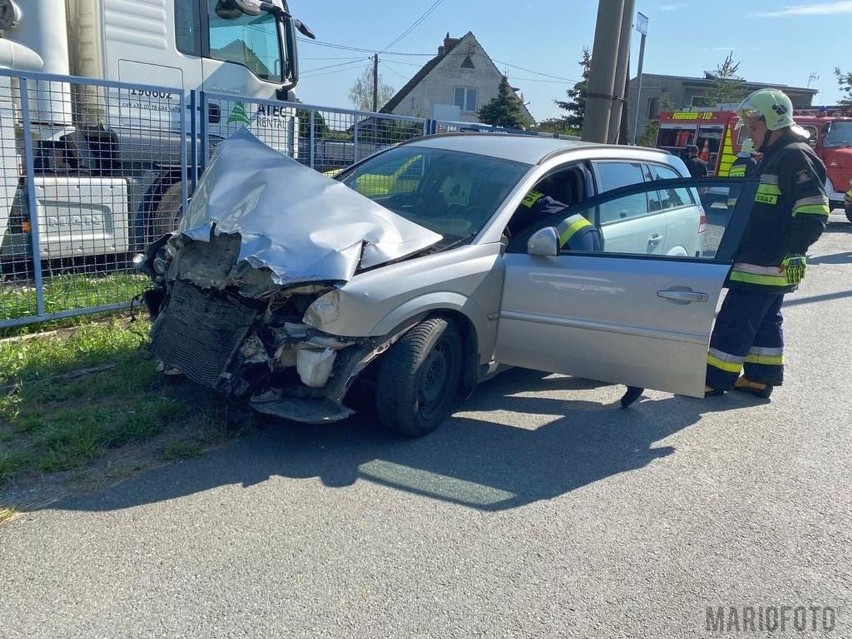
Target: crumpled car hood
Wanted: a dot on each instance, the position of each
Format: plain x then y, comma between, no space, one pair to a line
298,223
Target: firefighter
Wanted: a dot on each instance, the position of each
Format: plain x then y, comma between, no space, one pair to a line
745,162
744,165
576,233
789,214
697,166
847,200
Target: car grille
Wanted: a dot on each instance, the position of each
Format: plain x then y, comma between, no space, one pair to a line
198,332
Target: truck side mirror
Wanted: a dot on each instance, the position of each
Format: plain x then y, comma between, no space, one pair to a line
227,10
285,95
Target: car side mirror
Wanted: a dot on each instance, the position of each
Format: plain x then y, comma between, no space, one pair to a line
544,242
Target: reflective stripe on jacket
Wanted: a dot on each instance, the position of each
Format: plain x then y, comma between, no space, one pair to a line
576,233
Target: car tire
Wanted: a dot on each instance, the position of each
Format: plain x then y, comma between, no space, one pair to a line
169,212
418,378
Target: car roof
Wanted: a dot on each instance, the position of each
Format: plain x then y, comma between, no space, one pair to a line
529,149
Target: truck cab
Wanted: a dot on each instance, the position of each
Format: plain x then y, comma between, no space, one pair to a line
831,138
89,136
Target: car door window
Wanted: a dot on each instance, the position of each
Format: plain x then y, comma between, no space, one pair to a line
613,175
683,229
671,198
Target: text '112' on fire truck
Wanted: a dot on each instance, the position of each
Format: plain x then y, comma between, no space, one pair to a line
715,134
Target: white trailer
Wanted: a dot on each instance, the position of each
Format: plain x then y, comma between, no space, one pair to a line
108,160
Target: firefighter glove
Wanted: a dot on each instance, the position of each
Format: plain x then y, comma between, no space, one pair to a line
794,266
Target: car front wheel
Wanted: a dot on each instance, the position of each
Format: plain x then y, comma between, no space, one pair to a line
418,378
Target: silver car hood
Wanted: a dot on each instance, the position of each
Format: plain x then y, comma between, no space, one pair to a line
298,223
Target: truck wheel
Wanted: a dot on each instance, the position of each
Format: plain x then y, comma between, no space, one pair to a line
169,212
418,378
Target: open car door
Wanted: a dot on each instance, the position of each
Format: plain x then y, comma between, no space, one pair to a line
625,314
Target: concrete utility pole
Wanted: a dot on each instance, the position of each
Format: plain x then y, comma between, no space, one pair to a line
600,91
622,69
375,82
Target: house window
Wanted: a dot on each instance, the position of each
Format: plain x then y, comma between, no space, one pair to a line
465,99
700,101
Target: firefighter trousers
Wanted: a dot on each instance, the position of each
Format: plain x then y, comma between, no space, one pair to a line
747,338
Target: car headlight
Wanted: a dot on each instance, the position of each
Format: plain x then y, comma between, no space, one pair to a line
324,310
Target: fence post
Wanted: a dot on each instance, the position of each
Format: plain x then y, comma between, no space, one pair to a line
184,164
312,137
29,168
355,155
203,124
193,131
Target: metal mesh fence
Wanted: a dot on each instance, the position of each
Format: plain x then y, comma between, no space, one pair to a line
323,138
89,172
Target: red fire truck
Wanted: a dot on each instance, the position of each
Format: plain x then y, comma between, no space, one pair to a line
718,141
831,138
713,132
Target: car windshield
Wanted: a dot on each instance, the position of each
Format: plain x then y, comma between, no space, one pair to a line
449,192
840,134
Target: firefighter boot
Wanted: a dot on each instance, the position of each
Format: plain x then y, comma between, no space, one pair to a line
709,391
633,393
755,388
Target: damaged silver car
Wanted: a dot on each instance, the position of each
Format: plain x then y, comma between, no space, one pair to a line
418,272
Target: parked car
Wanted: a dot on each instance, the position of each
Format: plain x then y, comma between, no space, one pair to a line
294,292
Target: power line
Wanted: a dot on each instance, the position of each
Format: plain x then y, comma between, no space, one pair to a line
414,24
332,66
344,47
351,66
547,75
556,79
395,72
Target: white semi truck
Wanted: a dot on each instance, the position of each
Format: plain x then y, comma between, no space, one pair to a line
108,161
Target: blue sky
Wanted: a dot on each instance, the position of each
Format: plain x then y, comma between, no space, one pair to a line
539,42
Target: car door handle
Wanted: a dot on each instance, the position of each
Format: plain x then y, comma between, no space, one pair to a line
655,239
684,297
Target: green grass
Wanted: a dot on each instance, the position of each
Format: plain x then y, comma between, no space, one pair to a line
70,397
69,292
7,513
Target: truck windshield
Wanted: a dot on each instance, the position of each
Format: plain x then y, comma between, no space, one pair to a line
252,41
840,134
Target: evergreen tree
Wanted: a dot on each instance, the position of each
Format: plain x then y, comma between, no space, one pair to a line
575,105
727,86
320,126
845,82
505,109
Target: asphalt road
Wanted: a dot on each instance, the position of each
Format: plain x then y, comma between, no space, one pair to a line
539,510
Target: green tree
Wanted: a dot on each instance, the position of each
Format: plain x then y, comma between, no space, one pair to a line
844,79
361,92
555,125
652,127
505,109
320,126
727,85
575,105
398,130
